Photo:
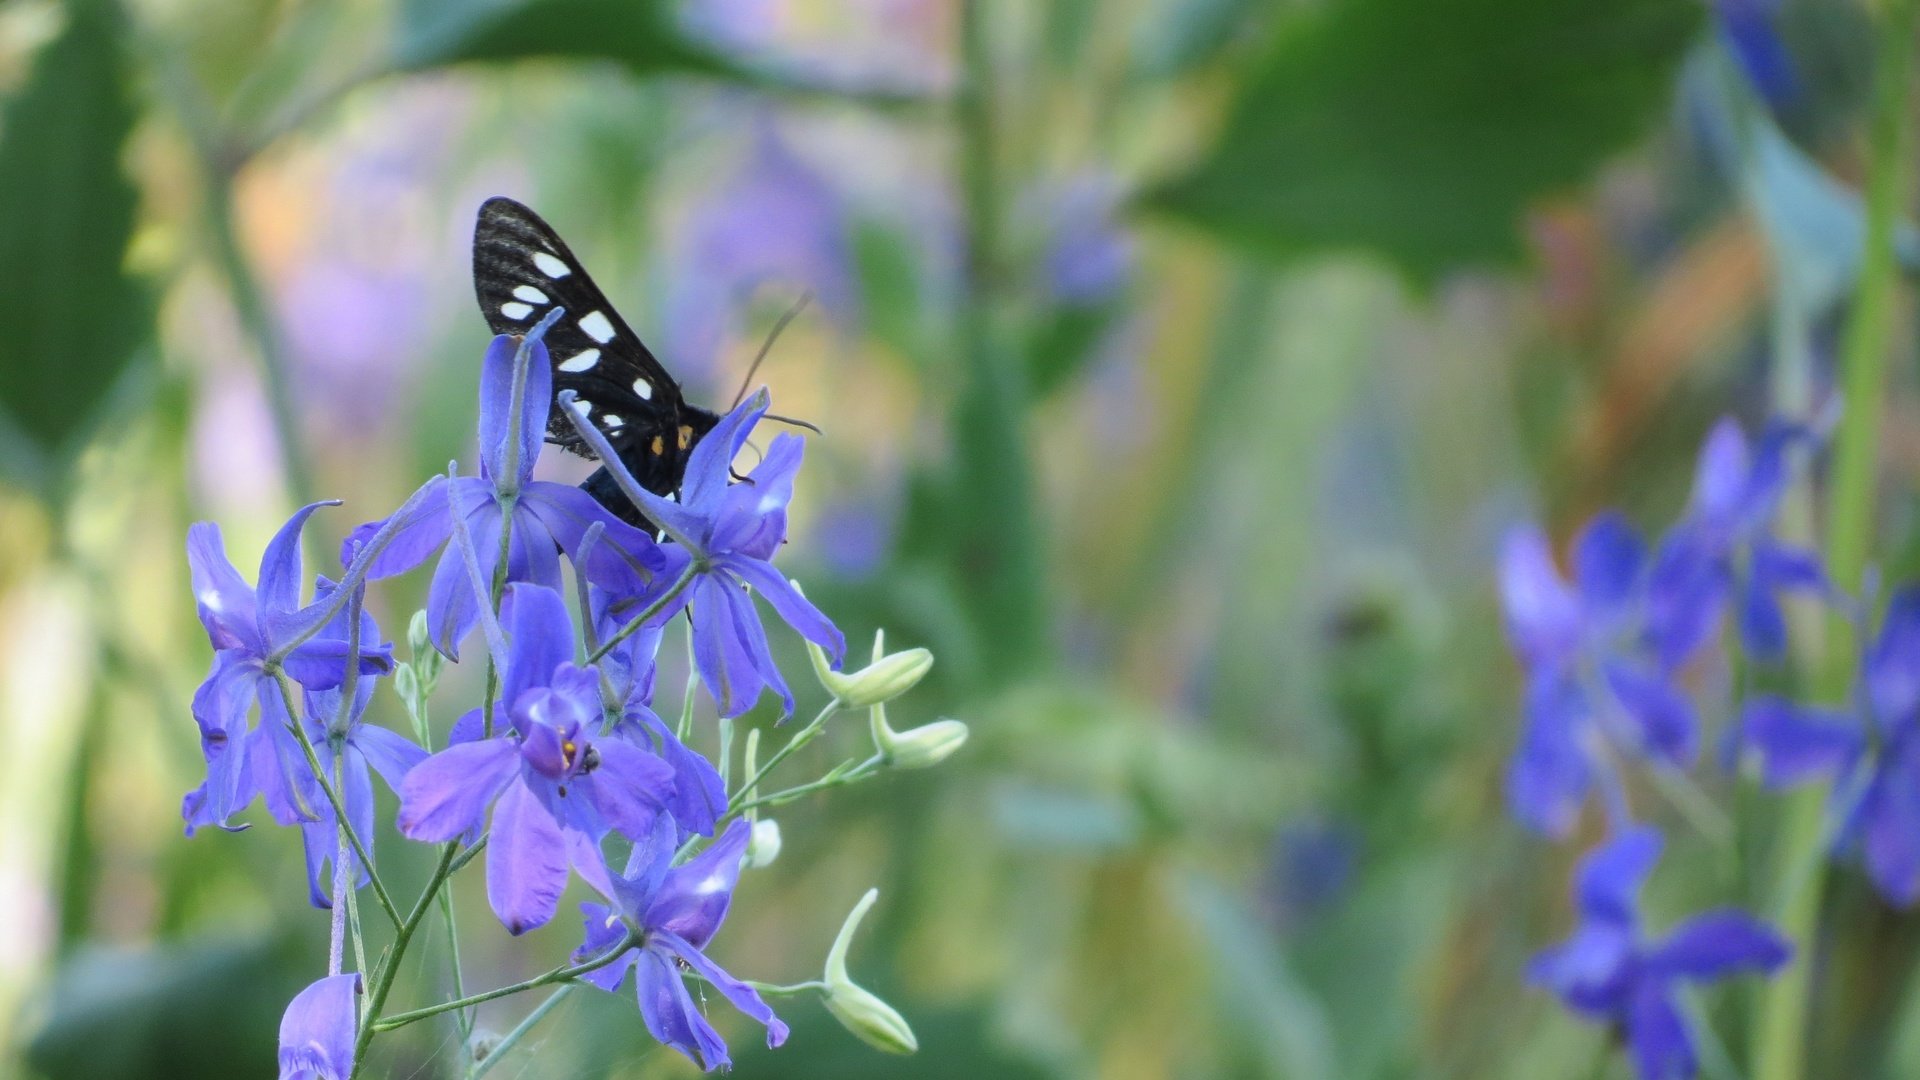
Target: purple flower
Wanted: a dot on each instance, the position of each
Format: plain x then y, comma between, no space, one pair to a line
1607,971
1877,789
1726,545
319,1028
248,626
1088,258
730,533
360,746
675,912
1596,669
1747,30
540,519
554,788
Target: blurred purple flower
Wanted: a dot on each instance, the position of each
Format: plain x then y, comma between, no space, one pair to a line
542,518
555,789
1747,28
775,220
1874,759
1607,971
1597,667
319,1028
854,45
730,533
1089,258
247,626
1725,545
675,910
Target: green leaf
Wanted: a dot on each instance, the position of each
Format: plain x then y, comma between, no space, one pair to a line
1420,131
74,317
642,34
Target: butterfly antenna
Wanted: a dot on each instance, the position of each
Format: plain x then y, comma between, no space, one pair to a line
795,422
772,336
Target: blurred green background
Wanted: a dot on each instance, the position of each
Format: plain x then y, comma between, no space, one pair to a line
1181,362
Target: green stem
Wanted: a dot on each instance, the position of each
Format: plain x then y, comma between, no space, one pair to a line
853,774
383,979
1780,1033
559,974
801,738
507,1042
633,625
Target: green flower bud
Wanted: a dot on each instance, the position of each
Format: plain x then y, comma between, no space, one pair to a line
406,684
417,638
764,845
917,748
858,1009
886,678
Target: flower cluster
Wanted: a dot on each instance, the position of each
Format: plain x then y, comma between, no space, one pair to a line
1608,653
564,769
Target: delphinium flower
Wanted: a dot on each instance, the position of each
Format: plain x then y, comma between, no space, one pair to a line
319,1028
361,747
1609,971
668,914
1725,546
729,533
1871,750
250,628
1601,659
554,787
541,519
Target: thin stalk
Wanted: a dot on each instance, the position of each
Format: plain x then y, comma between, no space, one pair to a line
548,978
520,1030
1781,1030
852,775
800,738
633,625
342,877
383,979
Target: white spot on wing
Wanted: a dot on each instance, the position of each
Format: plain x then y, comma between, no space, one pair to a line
581,361
595,325
644,389
613,420
530,294
551,266
515,310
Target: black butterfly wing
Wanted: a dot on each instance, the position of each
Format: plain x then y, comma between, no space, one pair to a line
521,269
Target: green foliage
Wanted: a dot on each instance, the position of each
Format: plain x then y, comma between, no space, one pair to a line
75,318
1420,131
641,34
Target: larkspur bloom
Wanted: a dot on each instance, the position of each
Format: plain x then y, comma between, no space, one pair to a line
728,534
541,519
555,789
674,911
318,1030
1609,972
1601,658
248,626
362,748
1872,750
1725,546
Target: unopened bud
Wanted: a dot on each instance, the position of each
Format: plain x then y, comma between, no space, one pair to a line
917,748
886,678
858,1009
763,845
418,640
407,685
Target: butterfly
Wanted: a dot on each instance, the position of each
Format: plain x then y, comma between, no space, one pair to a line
521,270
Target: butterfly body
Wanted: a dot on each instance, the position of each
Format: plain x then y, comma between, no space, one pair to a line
521,271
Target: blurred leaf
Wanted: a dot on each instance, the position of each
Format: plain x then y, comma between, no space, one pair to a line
1274,1020
210,1009
642,34
1064,341
1421,131
75,317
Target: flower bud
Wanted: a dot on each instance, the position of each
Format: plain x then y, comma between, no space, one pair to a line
764,845
883,680
917,748
418,639
406,684
858,1009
